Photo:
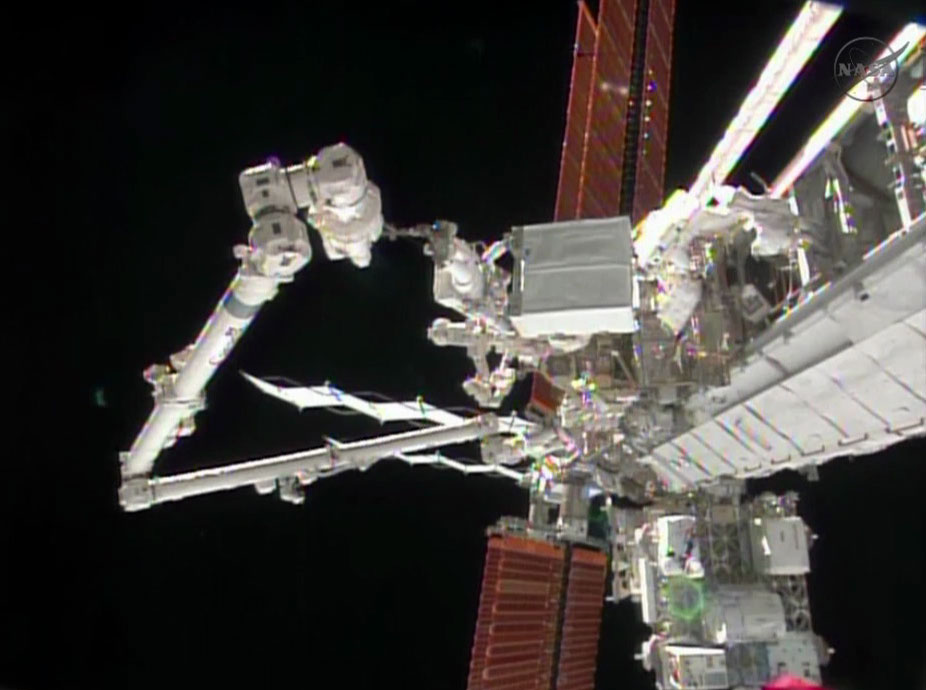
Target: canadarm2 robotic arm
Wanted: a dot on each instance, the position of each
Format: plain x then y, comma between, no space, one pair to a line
339,201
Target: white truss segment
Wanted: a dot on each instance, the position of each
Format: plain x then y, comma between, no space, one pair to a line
917,322
795,49
843,375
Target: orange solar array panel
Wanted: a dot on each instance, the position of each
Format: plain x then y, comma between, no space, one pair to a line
581,620
614,149
600,193
570,169
654,95
516,628
539,617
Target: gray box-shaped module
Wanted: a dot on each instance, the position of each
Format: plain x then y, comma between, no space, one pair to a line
779,546
573,278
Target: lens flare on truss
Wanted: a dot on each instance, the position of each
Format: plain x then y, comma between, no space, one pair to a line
911,36
685,597
795,49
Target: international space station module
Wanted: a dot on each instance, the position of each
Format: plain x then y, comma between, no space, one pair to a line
674,348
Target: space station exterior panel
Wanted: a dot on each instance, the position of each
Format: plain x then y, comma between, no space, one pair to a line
794,653
917,322
745,614
647,574
516,626
581,620
871,299
675,532
690,668
695,446
684,296
843,374
900,135
779,546
896,349
573,278
574,322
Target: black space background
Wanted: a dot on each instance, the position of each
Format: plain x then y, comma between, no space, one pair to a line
124,132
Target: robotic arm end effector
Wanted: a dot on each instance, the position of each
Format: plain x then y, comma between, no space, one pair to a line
345,207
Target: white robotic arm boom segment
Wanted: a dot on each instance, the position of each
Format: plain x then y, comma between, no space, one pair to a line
339,201
287,472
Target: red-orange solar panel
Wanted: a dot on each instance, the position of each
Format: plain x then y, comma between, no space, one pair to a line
513,648
657,77
614,161
539,617
570,170
600,192
581,620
